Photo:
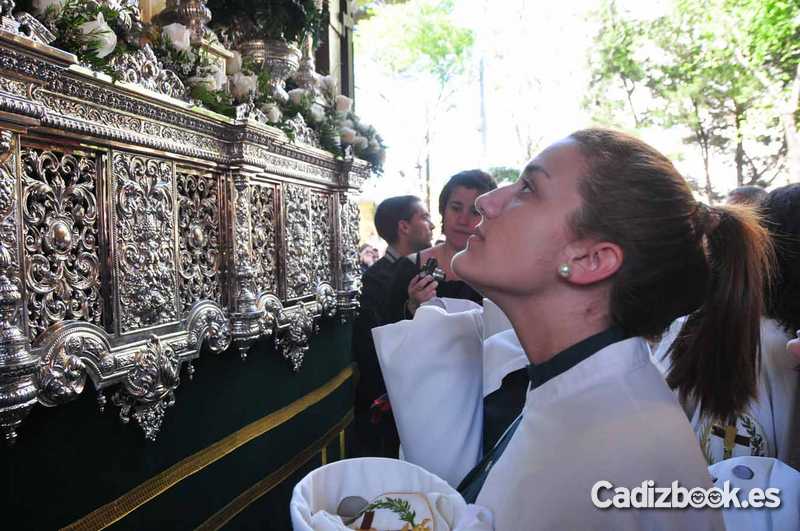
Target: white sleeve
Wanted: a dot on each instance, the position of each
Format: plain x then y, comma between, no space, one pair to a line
660,356
433,371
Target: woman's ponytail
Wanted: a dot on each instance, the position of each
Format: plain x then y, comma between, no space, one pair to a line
715,356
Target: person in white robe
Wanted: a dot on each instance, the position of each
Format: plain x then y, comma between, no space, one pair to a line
770,424
748,473
598,244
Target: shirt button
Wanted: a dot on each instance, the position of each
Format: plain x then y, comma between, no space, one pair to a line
743,472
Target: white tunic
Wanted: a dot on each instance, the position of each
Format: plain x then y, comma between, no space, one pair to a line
771,422
611,417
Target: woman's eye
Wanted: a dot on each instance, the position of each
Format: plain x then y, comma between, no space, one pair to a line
526,186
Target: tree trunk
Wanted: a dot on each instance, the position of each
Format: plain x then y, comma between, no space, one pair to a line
703,138
737,116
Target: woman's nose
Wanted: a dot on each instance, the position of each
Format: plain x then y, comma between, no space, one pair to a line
490,203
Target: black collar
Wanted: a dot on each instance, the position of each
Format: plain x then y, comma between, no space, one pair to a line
566,359
390,256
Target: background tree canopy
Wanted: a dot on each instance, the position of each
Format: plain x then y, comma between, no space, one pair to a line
725,71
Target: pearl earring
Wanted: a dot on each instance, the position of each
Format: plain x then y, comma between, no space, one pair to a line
564,270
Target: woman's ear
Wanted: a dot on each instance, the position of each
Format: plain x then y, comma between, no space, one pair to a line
595,263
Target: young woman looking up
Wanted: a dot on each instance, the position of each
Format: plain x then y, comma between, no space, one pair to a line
598,245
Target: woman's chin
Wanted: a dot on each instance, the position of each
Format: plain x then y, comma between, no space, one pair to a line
464,264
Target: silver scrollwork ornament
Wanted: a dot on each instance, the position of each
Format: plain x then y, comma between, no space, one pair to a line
208,321
149,387
326,298
18,364
294,342
144,69
67,349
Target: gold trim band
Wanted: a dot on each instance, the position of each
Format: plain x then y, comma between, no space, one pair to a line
109,513
262,487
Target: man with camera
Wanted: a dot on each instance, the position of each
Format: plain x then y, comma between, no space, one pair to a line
405,224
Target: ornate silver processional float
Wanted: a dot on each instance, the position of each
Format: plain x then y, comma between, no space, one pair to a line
135,227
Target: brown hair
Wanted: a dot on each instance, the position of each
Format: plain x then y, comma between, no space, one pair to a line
680,258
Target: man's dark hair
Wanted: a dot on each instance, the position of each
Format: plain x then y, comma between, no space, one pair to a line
392,211
473,179
781,210
747,195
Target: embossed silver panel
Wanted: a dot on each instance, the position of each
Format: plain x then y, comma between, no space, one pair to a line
144,240
198,238
62,261
309,239
264,221
348,254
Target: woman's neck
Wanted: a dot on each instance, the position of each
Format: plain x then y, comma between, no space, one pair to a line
547,327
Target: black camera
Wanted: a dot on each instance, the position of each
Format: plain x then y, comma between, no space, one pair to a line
432,268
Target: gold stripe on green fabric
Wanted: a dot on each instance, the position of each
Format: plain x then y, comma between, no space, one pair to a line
262,487
111,512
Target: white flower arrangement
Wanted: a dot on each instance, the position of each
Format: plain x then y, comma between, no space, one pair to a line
297,95
343,103
40,6
242,86
102,36
347,135
234,64
360,142
178,35
220,79
272,112
316,113
99,31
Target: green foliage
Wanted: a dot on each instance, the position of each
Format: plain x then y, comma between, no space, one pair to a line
215,100
682,69
400,507
270,19
418,36
66,24
504,174
770,31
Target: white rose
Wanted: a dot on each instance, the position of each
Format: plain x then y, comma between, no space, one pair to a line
343,103
327,81
348,123
273,112
179,35
234,64
206,81
317,113
347,135
280,94
360,142
220,79
374,145
101,34
327,84
40,6
296,95
242,86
